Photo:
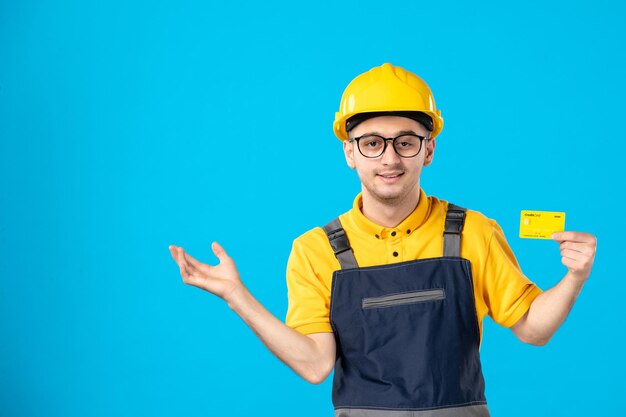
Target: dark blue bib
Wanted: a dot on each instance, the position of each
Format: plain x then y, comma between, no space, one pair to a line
407,334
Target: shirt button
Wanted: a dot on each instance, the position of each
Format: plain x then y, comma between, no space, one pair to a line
393,233
408,231
377,237
395,254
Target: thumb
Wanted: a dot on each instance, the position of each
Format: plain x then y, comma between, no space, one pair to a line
557,236
219,252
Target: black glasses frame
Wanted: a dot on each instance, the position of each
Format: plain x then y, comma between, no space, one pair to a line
393,141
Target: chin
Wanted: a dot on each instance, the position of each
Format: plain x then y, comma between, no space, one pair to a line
389,196
393,194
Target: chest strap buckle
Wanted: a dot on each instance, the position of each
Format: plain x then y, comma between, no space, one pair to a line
455,219
340,244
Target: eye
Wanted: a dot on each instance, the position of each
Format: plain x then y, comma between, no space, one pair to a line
371,142
407,142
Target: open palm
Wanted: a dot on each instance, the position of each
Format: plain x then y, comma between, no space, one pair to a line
220,280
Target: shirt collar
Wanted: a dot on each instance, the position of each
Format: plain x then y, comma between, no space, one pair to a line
407,226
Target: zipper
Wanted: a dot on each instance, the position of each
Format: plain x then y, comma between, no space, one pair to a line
404,298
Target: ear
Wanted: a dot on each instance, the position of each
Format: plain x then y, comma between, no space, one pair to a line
430,151
348,150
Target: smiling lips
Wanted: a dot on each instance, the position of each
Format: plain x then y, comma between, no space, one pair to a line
390,177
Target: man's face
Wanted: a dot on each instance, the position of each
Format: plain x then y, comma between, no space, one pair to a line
390,178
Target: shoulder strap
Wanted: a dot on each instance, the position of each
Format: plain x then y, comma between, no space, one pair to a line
455,219
340,244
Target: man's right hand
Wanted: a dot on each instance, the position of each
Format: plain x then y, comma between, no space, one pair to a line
221,280
310,356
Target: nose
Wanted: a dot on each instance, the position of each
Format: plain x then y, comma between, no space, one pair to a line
390,156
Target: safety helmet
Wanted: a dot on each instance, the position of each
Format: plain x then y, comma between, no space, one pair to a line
386,89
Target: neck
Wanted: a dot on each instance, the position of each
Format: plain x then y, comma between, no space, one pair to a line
389,213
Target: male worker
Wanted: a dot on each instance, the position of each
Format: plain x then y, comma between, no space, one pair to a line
392,293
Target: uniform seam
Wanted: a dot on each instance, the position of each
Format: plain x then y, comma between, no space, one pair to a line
403,264
412,409
332,302
520,303
309,324
470,279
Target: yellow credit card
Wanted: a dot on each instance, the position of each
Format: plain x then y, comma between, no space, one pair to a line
541,224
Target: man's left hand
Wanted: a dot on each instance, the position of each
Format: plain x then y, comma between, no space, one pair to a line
578,251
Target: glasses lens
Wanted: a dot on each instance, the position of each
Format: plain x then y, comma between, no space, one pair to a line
407,145
371,146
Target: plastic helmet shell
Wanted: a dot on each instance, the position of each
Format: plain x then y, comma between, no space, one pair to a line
386,88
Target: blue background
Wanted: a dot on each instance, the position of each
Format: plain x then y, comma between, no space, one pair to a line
129,126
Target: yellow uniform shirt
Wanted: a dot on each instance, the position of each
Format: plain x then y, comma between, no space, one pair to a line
500,288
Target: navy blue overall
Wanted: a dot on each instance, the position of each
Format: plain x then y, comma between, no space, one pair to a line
407,333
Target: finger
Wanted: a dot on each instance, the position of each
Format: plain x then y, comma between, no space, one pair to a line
186,273
584,248
185,269
572,254
194,266
571,264
188,264
219,252
172,249
574,237
175,252
193,261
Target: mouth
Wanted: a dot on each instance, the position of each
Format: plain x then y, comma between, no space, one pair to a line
390,177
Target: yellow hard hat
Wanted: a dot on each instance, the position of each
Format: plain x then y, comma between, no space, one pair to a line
386,89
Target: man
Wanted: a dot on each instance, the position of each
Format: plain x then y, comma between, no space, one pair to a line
392,293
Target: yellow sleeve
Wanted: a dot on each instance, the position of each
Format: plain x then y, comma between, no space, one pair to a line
508,293
308,290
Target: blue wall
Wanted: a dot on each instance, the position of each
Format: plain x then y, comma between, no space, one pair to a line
129,126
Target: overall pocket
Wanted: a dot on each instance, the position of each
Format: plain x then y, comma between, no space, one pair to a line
397,299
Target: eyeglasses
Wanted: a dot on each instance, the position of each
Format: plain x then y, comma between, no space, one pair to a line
405,145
